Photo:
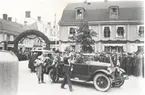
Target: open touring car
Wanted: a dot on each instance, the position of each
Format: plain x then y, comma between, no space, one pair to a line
102,74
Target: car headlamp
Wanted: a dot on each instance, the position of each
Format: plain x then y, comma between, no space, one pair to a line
110,70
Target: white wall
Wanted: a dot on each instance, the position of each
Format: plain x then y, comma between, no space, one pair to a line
1,37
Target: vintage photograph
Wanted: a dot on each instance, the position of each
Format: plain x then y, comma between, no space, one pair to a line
72,47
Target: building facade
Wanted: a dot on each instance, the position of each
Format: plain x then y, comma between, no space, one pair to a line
119,25
9,30
50,31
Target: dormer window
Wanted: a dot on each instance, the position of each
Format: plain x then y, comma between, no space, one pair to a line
79,13
113,12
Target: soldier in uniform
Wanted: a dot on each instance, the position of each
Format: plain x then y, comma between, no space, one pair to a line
66,70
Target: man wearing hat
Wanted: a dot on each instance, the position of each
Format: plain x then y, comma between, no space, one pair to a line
66,70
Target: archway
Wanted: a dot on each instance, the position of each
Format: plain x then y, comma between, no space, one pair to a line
31,32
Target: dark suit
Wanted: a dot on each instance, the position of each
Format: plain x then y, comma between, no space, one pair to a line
128,65
114,60
66,71
31,62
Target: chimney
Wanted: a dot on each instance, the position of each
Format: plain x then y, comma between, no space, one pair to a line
49,24
39,18
27,14
85,1
9,18
5,16
25,23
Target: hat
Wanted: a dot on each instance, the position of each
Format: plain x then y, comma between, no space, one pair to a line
57,51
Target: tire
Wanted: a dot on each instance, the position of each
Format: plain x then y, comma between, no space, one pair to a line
102,82
118,84
53,78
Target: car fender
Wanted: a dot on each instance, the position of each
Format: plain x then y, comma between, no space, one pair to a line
100,71
49,68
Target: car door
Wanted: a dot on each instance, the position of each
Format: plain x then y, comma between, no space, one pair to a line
81,71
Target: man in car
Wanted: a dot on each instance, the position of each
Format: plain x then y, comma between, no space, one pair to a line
66,70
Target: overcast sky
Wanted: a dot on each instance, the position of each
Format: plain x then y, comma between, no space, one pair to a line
44,8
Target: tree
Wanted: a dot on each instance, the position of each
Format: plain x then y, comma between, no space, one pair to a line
84,37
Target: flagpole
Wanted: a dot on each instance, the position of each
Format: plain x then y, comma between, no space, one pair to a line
55,30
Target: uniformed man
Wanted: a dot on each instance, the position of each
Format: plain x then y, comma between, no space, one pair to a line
66,70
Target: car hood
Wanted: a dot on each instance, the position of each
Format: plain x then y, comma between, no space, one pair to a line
97,63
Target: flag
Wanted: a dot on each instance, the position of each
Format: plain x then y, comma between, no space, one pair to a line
27,14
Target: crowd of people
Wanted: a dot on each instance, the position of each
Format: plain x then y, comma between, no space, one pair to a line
39,62
132,63
24,55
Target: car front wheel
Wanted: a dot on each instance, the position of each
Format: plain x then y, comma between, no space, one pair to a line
53,77
102,82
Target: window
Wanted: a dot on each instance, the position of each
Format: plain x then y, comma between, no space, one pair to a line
11,37
140,48
113,12
72,31
120,31
106,31
141,31
8,37
107,49
79,13
113,48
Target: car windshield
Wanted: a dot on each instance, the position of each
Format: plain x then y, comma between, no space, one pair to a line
88,58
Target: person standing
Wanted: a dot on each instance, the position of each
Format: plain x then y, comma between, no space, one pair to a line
31,62
56,61
39,63
66,70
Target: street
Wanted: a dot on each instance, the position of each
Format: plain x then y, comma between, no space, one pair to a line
28,85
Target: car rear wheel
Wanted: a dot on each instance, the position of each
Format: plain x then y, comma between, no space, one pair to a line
53,77
102,82
118,83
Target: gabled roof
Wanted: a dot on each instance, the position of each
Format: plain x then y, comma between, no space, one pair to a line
13,28
99,11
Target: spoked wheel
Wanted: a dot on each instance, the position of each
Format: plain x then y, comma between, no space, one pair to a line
118,83
53,77
102,82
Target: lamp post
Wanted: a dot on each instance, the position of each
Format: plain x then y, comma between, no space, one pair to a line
55,31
